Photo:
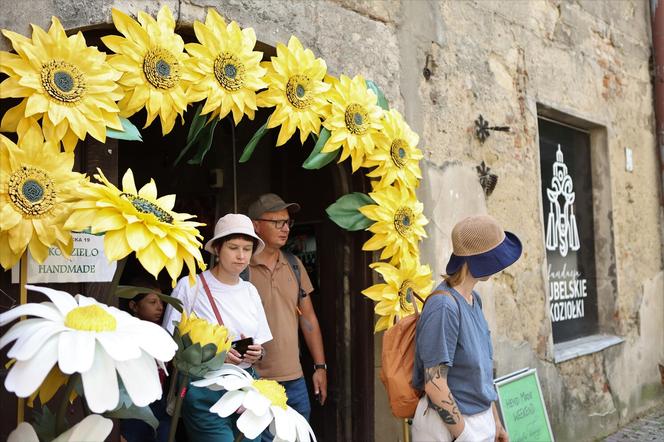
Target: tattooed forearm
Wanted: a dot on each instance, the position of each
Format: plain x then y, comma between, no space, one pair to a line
432,374
449,417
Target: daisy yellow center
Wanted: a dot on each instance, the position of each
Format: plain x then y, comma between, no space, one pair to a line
31,191
272,390
90,318
296,91
145,206
399,152
357,119
406,296
161,68
229,71
403,220
62,81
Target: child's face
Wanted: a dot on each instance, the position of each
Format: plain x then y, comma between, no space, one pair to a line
150,308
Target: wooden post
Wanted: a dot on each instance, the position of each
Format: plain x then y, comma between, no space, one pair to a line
23,299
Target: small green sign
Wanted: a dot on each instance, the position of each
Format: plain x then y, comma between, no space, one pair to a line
522,407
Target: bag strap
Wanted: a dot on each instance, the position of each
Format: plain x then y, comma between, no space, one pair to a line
424,301
213,303
295,267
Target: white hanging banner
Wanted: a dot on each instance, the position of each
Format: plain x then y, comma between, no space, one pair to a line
87,263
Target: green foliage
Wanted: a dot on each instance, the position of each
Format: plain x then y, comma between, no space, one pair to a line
344,212
129,132
251,145
44,423
382,101
128,292
318,159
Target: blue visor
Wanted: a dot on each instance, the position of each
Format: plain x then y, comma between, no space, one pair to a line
488,263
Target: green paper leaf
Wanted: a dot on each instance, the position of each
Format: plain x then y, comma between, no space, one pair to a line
206,137
344,212
129,292
195,127
45,423
318,159
133,412
208,352
129,132
382,101
251,145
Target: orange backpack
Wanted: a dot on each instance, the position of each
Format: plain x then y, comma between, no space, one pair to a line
397,361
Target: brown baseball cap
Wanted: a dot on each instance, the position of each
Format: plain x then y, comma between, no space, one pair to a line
270,202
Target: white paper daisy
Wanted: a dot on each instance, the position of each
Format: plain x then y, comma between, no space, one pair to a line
264,402
87,337
93,428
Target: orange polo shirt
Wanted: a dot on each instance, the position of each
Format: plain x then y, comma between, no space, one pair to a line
278,290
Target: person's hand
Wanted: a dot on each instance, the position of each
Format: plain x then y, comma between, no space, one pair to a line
253,353
501,434
320,384
233,357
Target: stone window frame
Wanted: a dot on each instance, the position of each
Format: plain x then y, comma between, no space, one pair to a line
605,253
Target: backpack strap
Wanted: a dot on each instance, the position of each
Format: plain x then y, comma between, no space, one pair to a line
213,303
295,267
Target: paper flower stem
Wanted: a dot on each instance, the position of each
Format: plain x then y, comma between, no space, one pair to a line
178,406
110,296
61,416
23,299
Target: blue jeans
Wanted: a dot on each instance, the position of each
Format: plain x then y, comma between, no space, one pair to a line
298,399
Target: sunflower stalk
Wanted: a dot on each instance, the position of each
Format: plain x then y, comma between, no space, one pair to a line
178,407
110,296
61,416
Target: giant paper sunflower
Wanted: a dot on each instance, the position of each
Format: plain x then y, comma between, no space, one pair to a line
396,156
151,58
398,225
224,68
295,77
64,81
354,120
394,297
138,221
36,187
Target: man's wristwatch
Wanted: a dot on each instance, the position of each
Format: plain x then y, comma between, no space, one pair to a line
320,366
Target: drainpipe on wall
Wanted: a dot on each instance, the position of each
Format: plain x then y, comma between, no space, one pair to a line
657,15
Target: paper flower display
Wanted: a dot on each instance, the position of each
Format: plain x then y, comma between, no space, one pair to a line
396,156
399,224
224,68
151,59
64,81
137,221
394,297
99,342
93,428
354,121
264,402
36,188
202,346
296,88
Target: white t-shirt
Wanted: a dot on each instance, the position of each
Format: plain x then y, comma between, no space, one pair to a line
239,305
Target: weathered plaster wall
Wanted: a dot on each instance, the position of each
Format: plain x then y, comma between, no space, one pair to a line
586,58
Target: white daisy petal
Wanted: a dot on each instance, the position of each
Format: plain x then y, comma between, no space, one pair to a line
304,431
256,402
76,351
252,425
23,433
141,379
28,345
228,403
120,346
22,329
26,376
153,339
84,301
93,428
284,427
42,310
62,300
100,383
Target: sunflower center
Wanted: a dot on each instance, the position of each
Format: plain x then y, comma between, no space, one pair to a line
229,71
296,91
272,390
145,206
406,296
161,68
31,191
357,119
90,318
62,81
398,152
403,220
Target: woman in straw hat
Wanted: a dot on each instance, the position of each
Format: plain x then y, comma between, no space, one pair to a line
220,295
453,354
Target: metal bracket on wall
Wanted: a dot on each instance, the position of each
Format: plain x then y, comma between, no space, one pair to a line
482,129
488,180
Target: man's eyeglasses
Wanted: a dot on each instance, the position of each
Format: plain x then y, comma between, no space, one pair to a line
279,223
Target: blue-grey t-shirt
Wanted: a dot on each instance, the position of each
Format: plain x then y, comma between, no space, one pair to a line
456,334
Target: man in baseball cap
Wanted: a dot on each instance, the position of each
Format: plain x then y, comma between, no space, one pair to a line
285,289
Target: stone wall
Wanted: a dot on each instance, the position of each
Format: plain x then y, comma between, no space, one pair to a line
587,59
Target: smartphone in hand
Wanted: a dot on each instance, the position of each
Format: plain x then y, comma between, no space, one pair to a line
242,345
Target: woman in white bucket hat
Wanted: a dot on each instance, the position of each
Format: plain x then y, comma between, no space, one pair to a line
220,295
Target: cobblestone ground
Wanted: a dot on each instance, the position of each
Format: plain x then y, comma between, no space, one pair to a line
649,428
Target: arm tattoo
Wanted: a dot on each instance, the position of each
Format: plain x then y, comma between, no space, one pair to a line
451,416
432,374
306,325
